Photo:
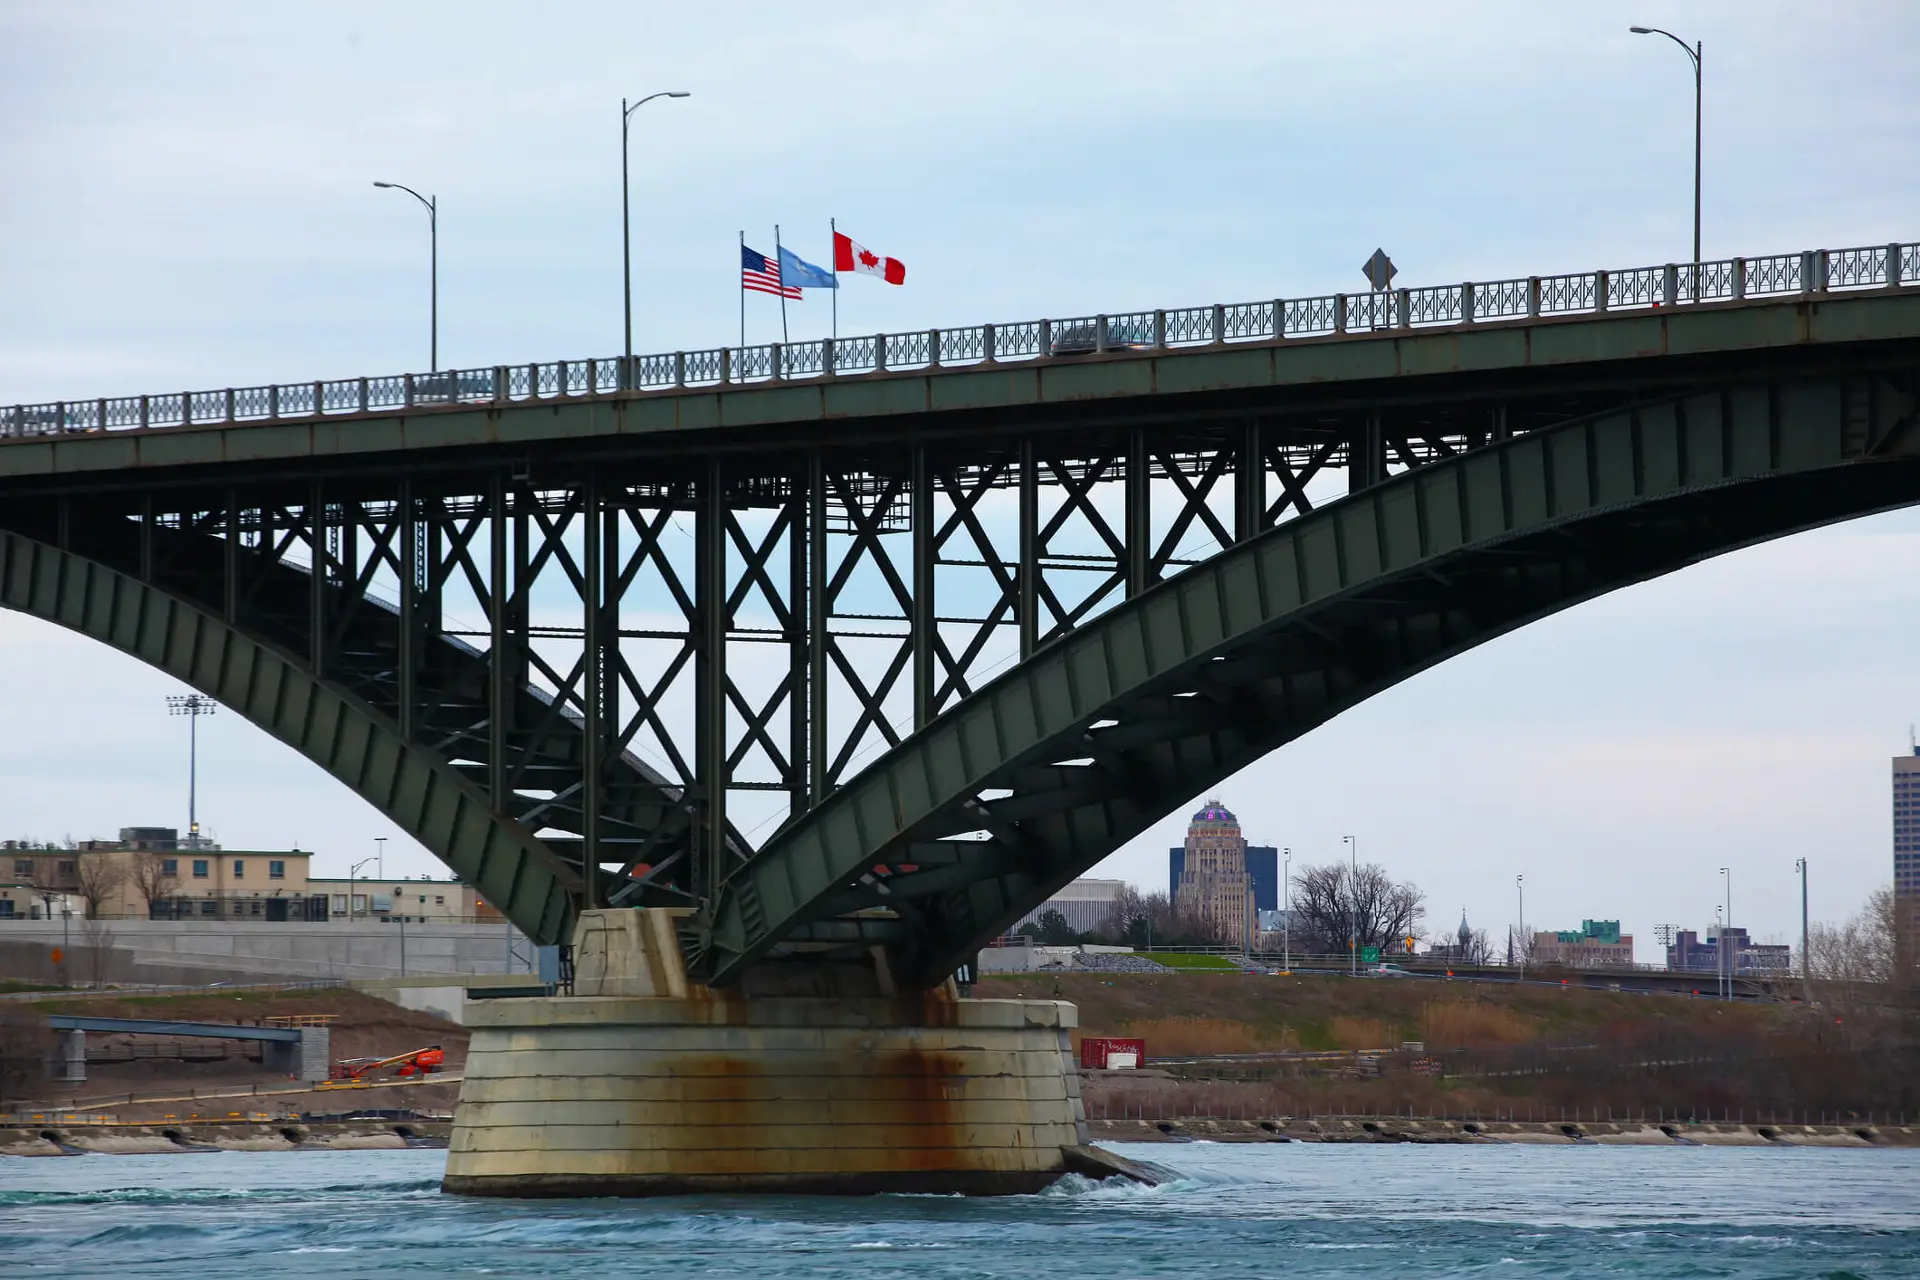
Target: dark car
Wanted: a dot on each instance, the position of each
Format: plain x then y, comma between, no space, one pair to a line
1082,339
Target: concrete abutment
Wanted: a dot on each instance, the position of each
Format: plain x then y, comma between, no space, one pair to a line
642,1083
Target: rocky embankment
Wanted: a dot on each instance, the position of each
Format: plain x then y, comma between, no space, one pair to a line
176,1138
1548,1133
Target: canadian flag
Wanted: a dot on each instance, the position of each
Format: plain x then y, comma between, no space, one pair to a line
848,255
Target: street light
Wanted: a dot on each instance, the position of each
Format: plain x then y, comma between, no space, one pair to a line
1806,960
353,878
626,241
1693,51
192,706
1727,964
380,852
431,204
1353,905
1286,937
1520,887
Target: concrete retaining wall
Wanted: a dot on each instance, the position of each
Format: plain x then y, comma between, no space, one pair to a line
623,1095
192,952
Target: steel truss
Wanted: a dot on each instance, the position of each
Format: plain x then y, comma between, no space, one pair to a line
649,664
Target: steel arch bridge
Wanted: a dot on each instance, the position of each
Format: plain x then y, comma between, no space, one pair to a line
852,660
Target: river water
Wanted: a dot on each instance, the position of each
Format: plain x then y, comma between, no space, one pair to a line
1272,1210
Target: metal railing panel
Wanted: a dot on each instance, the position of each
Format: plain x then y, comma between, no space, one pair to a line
854,355
1433,306
703,367
1369,311
1779,273
1308,316
963,346
1562,294
1501,299
910,350
752,364
1189,325
1640,287
1242,322
1013,341
1857,268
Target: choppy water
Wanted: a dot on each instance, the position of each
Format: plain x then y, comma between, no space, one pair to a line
1293,1210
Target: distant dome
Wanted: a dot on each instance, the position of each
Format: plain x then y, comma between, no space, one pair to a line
1215,812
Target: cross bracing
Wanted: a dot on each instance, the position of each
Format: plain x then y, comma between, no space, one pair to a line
588,660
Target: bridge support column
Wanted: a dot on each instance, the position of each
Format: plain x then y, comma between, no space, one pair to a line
645,1083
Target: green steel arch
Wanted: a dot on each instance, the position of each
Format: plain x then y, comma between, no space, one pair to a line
947,839
424,792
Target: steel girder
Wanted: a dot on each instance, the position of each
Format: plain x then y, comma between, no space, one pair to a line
1022,785
353,741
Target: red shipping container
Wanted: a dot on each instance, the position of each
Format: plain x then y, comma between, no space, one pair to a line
1112,1054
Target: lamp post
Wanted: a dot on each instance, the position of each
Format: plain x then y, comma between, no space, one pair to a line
1353,905
1727,963
431,204
1692,51
353,878
1286,937
192,706
626,239
1806,958
1520,888
380,853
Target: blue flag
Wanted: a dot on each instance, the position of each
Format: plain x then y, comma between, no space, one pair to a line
798,273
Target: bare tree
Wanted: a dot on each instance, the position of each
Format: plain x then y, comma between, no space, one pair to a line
98,879
24,1043
1333,905
152,881
48,884
1474,949
99,941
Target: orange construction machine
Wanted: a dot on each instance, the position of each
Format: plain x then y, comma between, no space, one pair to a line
418,1062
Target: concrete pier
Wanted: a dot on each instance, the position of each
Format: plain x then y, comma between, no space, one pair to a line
644,1084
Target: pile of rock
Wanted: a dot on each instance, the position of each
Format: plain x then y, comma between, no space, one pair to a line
1114,962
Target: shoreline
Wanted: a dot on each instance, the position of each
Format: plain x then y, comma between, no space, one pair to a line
1392,1129
200,1136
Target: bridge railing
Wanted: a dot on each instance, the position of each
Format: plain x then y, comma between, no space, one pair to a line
1809,273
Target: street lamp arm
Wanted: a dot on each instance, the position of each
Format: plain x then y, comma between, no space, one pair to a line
1686,48
664,93
395,186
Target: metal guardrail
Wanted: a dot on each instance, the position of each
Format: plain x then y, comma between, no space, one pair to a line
1810,273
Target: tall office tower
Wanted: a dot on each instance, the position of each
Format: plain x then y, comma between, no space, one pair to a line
1906,823
1214,883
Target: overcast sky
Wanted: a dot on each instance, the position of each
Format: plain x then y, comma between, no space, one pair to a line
186,202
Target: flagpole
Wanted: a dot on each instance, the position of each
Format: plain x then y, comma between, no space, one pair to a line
743,290
833,233
783,285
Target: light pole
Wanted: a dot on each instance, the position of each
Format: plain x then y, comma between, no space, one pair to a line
1727,964
1806,959
192,706
1353,905
431,204
1286,937
1520,888
380,853
626,239
1693,51
353,878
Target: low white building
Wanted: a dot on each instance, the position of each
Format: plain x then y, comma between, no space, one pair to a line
1086,905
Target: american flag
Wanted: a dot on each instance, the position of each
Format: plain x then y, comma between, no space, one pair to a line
762,275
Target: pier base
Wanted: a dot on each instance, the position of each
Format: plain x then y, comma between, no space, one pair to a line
654,1086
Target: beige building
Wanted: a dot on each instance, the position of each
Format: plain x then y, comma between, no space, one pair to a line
1214,885
1595,944
420,901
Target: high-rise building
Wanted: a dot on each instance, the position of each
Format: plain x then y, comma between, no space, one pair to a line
1263,864
1595,942
1214,884
1906,823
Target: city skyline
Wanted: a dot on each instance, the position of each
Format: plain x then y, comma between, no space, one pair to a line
1735,714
